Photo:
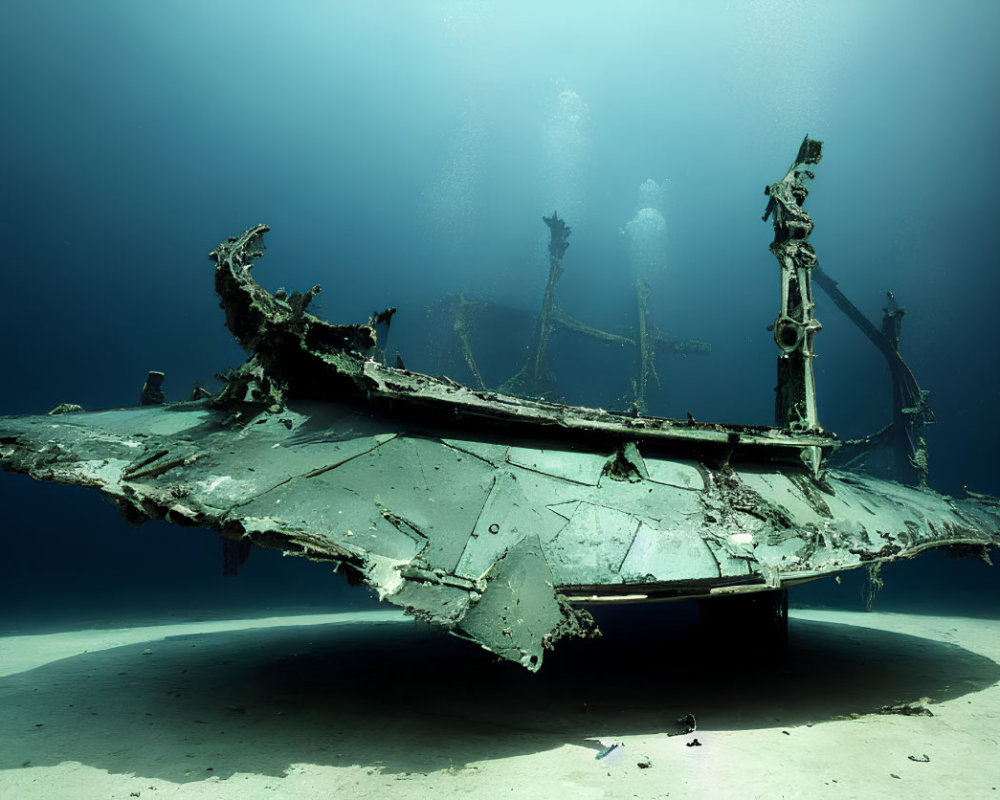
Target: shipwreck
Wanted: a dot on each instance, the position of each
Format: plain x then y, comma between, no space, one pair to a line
499,517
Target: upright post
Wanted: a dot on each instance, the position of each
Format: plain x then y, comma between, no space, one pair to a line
534,379
795,326
558,242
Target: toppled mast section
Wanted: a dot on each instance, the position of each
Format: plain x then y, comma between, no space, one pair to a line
491,516
898,451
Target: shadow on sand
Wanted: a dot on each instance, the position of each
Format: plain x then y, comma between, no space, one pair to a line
400,699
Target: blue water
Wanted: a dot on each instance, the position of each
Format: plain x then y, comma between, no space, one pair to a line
404,151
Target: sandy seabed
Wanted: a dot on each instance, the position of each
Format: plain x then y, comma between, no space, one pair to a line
371,705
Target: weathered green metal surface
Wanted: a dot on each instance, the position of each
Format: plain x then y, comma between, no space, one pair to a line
486,535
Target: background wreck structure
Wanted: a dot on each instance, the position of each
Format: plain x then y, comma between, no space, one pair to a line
464,329
491,515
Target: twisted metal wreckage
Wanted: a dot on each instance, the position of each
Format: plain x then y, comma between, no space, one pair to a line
495,516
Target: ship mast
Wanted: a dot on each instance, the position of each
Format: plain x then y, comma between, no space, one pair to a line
795,325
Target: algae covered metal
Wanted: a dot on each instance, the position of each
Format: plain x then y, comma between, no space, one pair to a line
490,515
